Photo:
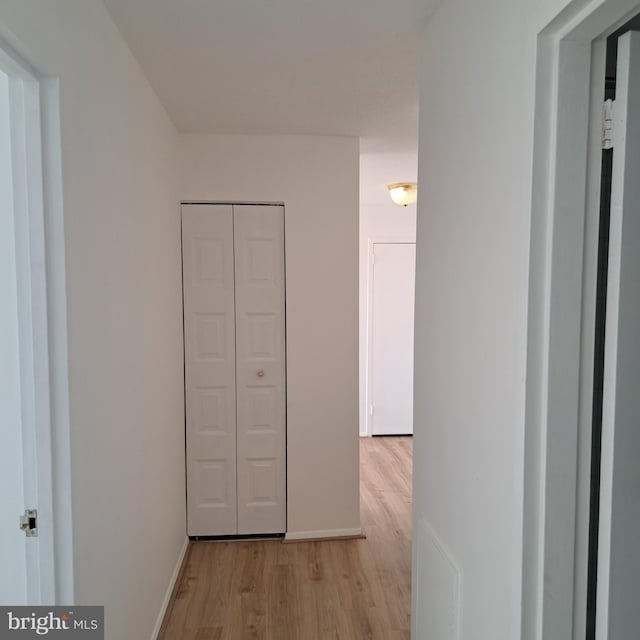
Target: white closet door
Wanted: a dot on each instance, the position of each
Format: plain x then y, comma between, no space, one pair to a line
392,331
210,376
260,353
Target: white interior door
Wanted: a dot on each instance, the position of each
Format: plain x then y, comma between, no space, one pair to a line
28,573
391,330
618,614
13,576
210,369
260,353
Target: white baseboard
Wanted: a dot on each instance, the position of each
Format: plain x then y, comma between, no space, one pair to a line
172,584
323,533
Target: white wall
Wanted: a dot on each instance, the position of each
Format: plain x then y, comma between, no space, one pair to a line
381,221
122,235
476,133
316,178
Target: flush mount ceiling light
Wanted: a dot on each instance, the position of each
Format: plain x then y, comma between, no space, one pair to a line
403,193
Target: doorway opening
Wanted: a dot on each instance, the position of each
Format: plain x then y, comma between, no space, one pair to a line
386,458
387,296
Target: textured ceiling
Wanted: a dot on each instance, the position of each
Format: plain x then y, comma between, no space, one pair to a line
324,67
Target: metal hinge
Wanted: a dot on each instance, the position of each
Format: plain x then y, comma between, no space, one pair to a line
371,410
29,523
607,125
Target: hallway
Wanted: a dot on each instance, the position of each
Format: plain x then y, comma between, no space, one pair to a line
350,589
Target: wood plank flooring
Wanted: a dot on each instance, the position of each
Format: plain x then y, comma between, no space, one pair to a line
338,590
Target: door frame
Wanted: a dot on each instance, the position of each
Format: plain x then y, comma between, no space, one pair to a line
562,288
372,241
42,323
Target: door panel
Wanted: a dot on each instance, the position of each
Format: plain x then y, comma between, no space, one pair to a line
13,576
618,615
209,326
260,337
392,338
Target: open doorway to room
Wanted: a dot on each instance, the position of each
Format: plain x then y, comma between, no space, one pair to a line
387,297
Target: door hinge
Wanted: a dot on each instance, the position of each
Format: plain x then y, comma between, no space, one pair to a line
371,410
29,523
607,125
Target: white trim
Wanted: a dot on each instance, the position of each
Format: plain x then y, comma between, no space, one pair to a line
169,592
58,341
371,242
255,203
560,299
323,533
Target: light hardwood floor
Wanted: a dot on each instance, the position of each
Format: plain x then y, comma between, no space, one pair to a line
343,589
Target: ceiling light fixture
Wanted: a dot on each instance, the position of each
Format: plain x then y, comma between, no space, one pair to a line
403,193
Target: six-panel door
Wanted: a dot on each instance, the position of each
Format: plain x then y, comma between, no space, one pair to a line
210,361
233,274
260,349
